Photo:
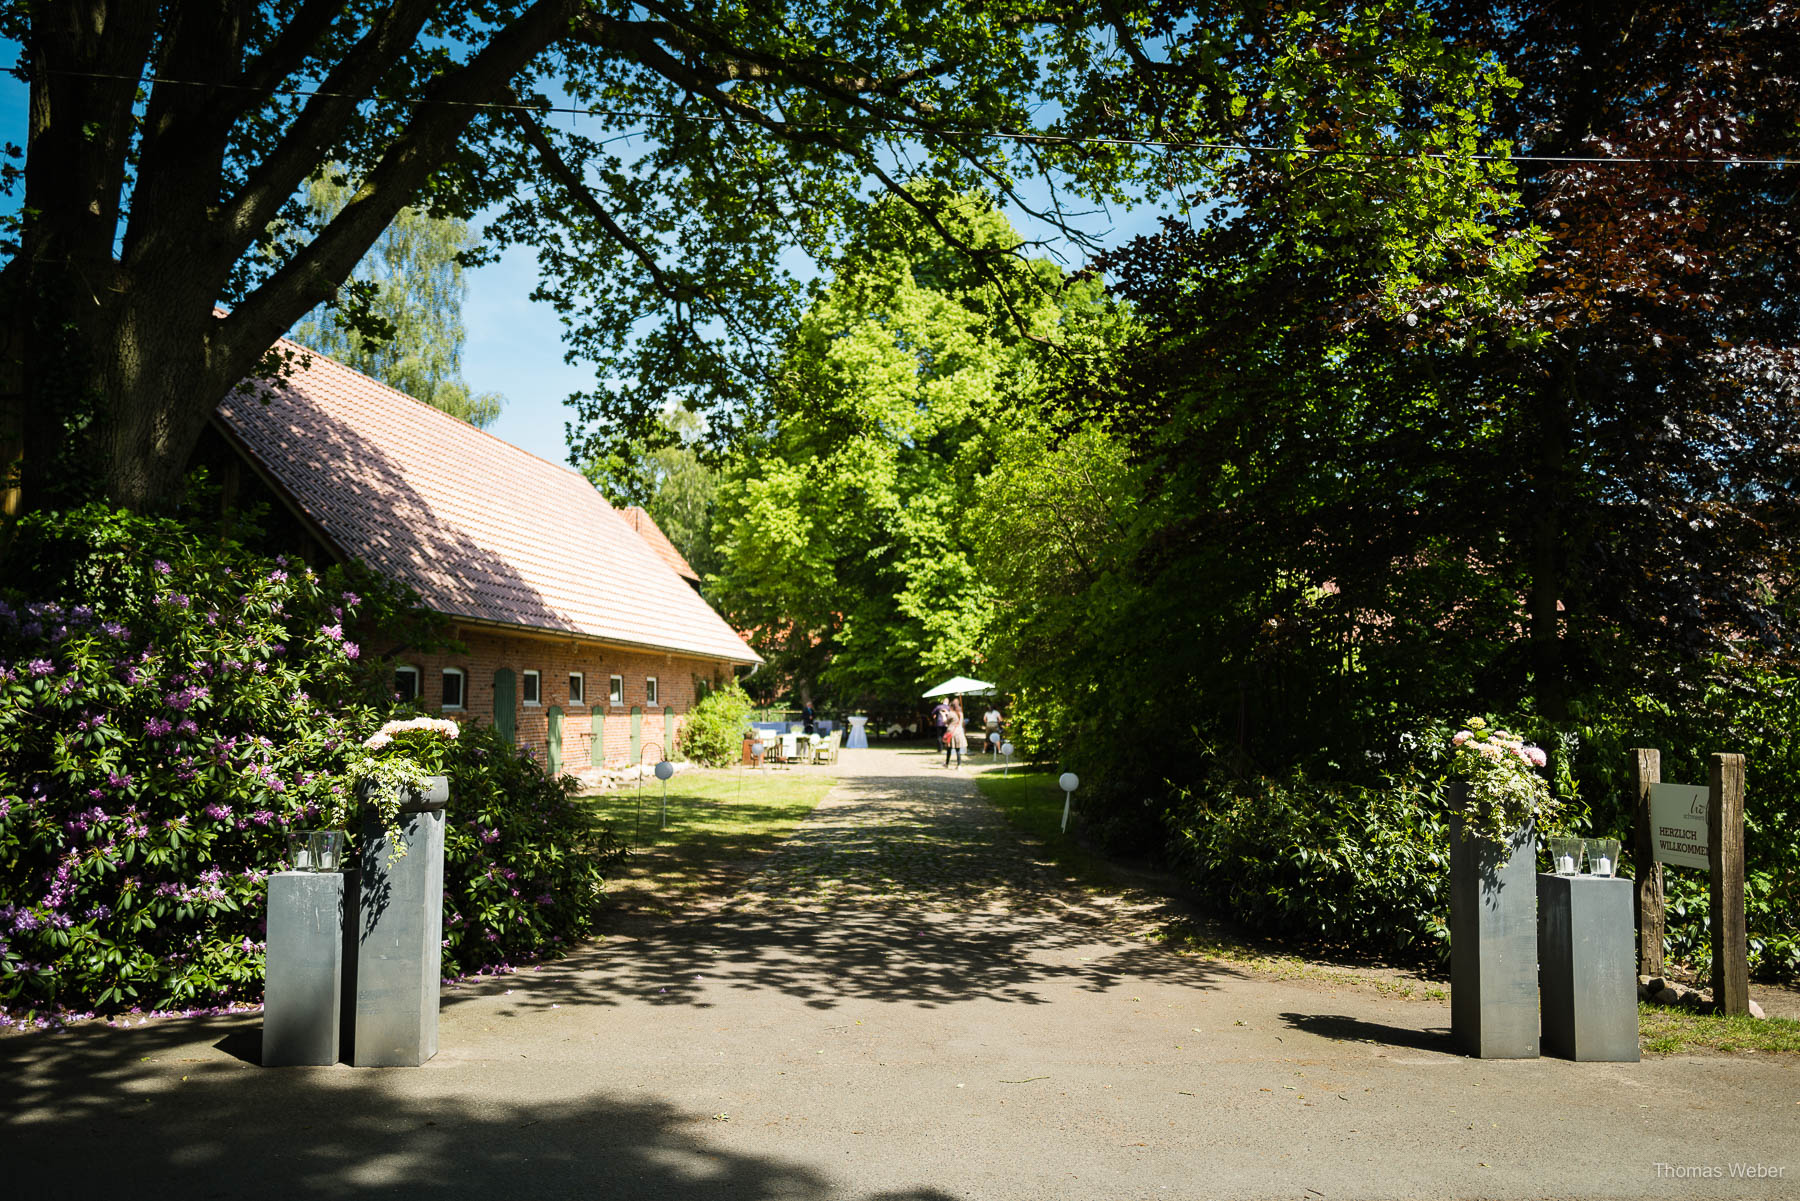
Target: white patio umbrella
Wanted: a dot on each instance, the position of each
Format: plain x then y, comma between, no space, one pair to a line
960,686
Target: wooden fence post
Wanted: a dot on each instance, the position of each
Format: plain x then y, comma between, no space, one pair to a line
1646,769
1725,850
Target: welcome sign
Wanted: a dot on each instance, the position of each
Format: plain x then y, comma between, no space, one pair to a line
1678,825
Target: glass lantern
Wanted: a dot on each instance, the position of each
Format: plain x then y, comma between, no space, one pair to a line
1602,856
1565,856
316,850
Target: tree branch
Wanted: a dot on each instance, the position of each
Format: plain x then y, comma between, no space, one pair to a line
312,275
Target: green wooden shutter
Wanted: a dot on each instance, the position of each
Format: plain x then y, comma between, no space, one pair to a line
637,733
506,700
553,740
597,724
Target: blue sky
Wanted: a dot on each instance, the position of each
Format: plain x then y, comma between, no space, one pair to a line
514,347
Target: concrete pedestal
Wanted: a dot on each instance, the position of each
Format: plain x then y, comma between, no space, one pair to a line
302,1005
399,939
1589,975
1493,946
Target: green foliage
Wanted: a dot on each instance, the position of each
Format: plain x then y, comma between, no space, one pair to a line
524,861
713,735
178,707
667,478
1351,869
848,536
398,317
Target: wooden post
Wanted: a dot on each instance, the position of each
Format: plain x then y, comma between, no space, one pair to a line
1646,769
1725,837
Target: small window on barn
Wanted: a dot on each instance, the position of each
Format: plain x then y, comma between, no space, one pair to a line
615,690
406,683
454,692
650,690
576,696
528,688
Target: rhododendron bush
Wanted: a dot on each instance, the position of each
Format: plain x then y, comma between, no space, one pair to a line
170,705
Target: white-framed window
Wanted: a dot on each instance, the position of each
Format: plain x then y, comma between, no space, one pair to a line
530,690
576,685
406,682
615,690
650,690
455,692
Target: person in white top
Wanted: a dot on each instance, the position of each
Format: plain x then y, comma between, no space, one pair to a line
990,722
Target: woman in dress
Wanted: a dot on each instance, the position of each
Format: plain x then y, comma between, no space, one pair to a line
955,740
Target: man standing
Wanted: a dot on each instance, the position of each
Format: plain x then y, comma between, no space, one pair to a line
990,724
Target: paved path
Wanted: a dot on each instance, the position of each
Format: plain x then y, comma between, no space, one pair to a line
903,1005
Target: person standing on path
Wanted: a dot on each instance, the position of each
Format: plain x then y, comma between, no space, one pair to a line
955,740
990,723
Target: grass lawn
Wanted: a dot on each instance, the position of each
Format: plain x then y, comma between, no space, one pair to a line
1663,1031
720,823
1031,802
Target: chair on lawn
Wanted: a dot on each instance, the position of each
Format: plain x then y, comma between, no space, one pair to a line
825,747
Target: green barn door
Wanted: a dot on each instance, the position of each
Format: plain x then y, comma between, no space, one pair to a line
669,733
553,740
637,733
597,724
506,700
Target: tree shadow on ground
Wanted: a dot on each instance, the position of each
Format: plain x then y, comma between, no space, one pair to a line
148,1113
1355,1030
904,890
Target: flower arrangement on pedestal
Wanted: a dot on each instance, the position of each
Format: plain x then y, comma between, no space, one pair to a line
398,761
1502,792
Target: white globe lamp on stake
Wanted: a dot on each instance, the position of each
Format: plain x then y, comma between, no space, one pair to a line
664,770
1006,749
1069,782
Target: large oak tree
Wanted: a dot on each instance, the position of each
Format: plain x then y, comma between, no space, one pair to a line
163,243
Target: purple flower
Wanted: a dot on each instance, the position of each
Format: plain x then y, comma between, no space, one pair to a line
275,577
32,629
187,727
218,810
40,667
157,727
81,615
351,650
161,567
351,599
113,629
334,632
490,836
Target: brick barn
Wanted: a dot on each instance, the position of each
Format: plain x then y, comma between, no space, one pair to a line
587,639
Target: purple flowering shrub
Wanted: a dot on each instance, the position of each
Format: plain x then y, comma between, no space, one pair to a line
166,714
170,706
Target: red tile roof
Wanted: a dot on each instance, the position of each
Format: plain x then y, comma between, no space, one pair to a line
650,532
479,528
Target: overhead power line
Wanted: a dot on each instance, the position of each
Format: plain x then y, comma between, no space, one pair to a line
923,131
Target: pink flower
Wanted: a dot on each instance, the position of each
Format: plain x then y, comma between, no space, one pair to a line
1535,756
1461,737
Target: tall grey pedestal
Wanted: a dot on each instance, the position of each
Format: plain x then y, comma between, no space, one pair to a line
399,939
1589,956
1493,946
302,979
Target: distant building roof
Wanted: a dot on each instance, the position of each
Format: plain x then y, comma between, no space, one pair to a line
478,527
650,532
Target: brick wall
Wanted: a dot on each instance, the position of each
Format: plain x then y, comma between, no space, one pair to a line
488,653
